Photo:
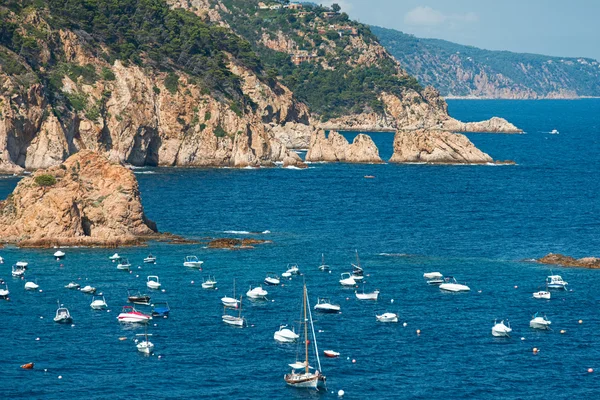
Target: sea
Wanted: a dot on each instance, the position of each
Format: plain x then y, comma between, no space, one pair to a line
483,225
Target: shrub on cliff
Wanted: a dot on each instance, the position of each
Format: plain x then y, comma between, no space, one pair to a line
45,180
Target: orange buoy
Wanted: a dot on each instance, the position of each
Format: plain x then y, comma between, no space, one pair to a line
27,366
535,350
590,370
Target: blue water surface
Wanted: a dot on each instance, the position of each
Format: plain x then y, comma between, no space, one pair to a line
478,223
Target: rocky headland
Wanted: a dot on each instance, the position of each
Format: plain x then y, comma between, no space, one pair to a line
566,261
85,201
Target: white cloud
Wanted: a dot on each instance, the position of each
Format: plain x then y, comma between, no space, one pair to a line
430,17
346,6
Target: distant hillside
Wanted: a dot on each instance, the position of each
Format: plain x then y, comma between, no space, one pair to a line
457,70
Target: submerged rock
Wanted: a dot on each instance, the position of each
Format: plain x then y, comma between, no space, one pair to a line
566,261
85,201
230,243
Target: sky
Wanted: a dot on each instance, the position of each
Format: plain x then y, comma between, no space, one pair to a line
550,27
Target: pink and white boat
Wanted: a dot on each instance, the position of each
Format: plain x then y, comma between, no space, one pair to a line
130,315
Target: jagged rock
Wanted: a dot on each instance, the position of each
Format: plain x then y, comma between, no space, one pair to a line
229,243
492,125
293,135
92,203
566,261
335,147
436,147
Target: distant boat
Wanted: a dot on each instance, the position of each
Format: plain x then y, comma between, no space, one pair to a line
347,279
1,260
367,296
130,315
539,322
387,317
124,264
150,259
62,315
72,285
59,254
160,309
301,375
331,354
257,293
325,305
542,295
434,278
323,266
98,303
556,282
231,302
23,264
152,282
285,335
145,346
4,292
136,297
31,285
272,279
192,262
18,271
357,270
209,283
500,329
114,257
88,289
292,269
451,285
238,321
554,132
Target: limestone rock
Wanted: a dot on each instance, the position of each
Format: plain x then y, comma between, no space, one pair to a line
492,125
93,203
436,147
566,261
335,147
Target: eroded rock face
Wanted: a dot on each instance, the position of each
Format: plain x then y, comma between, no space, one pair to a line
93,203
436,147
335,147
566,261
492,125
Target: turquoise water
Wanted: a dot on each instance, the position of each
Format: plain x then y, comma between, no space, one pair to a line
477,223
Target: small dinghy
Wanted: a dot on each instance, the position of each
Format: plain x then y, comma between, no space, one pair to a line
4,292
387,317
192,262
257,293
150,259
556,282
231,302
272,279
124,264
98,303
62,315
285,335
114,257
136,297
130,315
152,282
325,305
144,346
209,283
31,285
500,329
286,275
88,289
160,309
18,271
59,255
451,285
27,366
72,285
542,294
539,322
331,354
347,279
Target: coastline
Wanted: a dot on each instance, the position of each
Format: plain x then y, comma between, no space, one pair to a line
518,99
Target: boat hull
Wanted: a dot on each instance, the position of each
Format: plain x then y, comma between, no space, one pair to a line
327,309
387,318
193,264
145,347
306,380
230,302
454,287
285,336
98,305
153,285
542,295
234,321
367,296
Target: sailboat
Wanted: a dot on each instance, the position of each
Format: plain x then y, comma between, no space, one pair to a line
233,320
323,266
301,375
145,346
231,302
357,271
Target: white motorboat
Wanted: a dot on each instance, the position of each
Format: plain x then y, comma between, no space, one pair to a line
62,315
150,259
144,346
500,329
124,264
232,320
257,293
554,132
72,285
539,322
285,335
130,315
88,289
59,254
231,302
367,296
22,264
31,285
293,269
98,303
192,262
433,275
556,282
152,282
387,317
451,285
18,271
209,283
114,257
347,279
331,354
286,275
542,294
272,279
301,375
325,305
4,292
323,266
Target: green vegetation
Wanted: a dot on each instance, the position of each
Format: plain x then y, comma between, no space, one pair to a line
172,82
45,180
219,131
108,75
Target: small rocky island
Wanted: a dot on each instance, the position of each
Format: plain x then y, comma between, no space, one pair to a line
85,201
566,261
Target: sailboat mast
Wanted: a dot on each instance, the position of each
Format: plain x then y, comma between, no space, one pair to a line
312,327
305,331
357,259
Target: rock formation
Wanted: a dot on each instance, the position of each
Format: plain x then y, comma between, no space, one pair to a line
229,243
436,147
85,201
492,125
566,261
335,147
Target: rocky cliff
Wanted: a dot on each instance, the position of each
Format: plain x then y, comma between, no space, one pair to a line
85,201
334,147
566,261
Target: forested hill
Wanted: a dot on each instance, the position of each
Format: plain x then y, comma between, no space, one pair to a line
457,70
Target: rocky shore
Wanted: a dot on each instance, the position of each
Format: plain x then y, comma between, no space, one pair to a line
85,201
566,261
335,147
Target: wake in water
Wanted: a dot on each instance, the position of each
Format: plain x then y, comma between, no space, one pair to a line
247,232
394,254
